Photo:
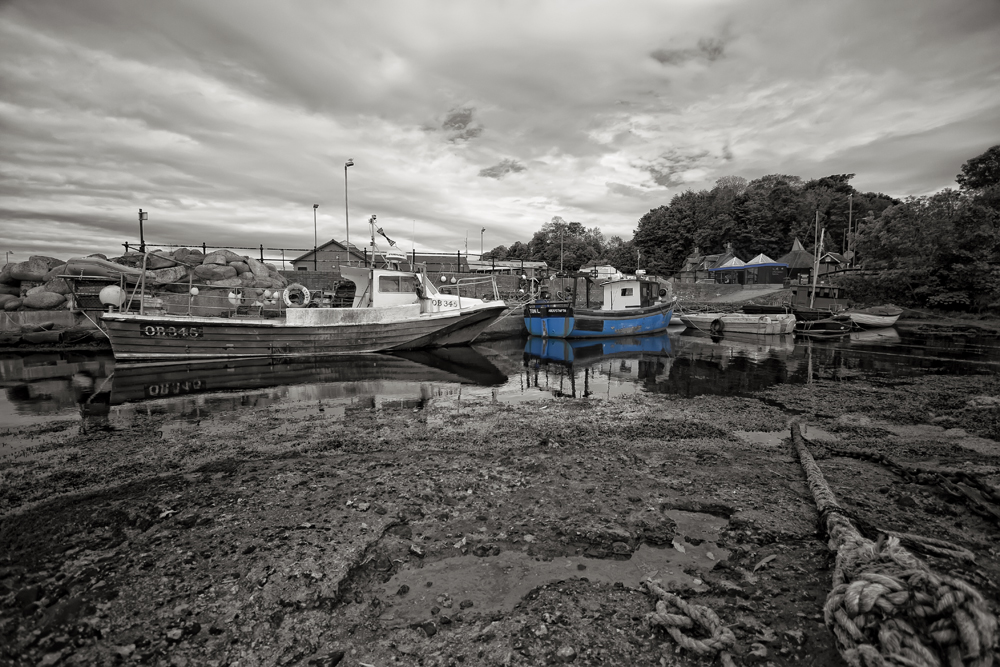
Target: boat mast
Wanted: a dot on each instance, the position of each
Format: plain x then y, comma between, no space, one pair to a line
819,250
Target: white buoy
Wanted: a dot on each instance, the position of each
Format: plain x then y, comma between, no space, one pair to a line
112,295
194,291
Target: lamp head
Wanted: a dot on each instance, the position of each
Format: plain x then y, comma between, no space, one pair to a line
349,163
315,205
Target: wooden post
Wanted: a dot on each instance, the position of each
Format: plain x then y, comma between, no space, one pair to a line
261,253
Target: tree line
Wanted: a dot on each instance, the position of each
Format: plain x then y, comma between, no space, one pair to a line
941,250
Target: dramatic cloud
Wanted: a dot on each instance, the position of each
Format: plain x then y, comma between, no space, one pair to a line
227,120
708,49
498,171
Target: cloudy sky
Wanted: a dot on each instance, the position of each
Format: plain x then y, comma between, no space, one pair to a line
227,120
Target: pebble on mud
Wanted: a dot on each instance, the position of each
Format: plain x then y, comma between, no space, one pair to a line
566,653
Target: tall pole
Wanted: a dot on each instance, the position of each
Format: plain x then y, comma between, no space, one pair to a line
347,219
143,215
850,217
481,233
561,250
315,238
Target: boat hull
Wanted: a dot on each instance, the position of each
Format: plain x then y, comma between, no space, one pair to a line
828,328
721,323
561,320
182,338
872,320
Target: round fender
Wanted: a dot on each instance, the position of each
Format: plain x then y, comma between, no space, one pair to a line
764,319
297,292
718,326
237,298
663,292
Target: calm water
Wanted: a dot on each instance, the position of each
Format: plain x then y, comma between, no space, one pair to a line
54,390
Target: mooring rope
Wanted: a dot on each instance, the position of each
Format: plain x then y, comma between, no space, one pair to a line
686,615
886,606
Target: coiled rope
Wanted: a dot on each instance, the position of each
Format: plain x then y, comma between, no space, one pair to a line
886,606
684,615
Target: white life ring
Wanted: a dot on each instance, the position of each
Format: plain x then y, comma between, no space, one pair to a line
293,289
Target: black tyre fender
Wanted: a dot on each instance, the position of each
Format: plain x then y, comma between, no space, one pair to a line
718,326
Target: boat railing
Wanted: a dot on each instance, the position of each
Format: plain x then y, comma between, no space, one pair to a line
196,299
476,287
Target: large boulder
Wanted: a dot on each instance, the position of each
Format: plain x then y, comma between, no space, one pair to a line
230,256
228,282
240,266
57,286
13,304
258,268
5,277
44,300
10,289
182,254
55,272
209,272
168,275
35,269
159,260
215,258
5,298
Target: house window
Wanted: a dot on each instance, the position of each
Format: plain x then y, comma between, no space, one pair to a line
302,268
626,291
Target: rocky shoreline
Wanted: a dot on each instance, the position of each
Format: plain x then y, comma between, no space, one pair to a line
473,532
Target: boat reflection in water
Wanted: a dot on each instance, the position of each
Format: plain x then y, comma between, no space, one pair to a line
606,366
731,364
316,377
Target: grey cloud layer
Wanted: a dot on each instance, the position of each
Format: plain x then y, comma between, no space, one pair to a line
239,115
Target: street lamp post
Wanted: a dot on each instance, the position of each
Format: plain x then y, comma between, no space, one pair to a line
481,232
347,219
143,215
850,216
315,238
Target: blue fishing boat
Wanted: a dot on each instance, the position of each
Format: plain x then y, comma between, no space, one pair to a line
632,305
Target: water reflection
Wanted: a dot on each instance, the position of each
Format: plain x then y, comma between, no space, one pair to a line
41,389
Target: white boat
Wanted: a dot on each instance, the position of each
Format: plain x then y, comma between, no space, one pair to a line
876,316
391,310
722,323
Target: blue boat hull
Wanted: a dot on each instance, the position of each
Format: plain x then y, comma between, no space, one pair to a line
561,320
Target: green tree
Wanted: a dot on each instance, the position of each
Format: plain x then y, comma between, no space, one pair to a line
981,171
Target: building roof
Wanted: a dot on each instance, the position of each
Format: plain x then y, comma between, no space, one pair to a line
341,245
797,257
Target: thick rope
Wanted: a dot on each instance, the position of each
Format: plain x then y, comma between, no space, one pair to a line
887,607
720,640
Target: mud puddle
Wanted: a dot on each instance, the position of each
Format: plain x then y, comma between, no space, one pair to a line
478,585
773,439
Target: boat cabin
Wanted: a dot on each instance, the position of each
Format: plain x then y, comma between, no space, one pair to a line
828,297
625,293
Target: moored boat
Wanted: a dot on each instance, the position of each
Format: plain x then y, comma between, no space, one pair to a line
720,323
391,310
632,305
876,316
830,327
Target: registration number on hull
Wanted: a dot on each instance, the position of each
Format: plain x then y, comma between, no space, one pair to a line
151,331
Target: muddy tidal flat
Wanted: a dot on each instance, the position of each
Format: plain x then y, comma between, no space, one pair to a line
475,533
